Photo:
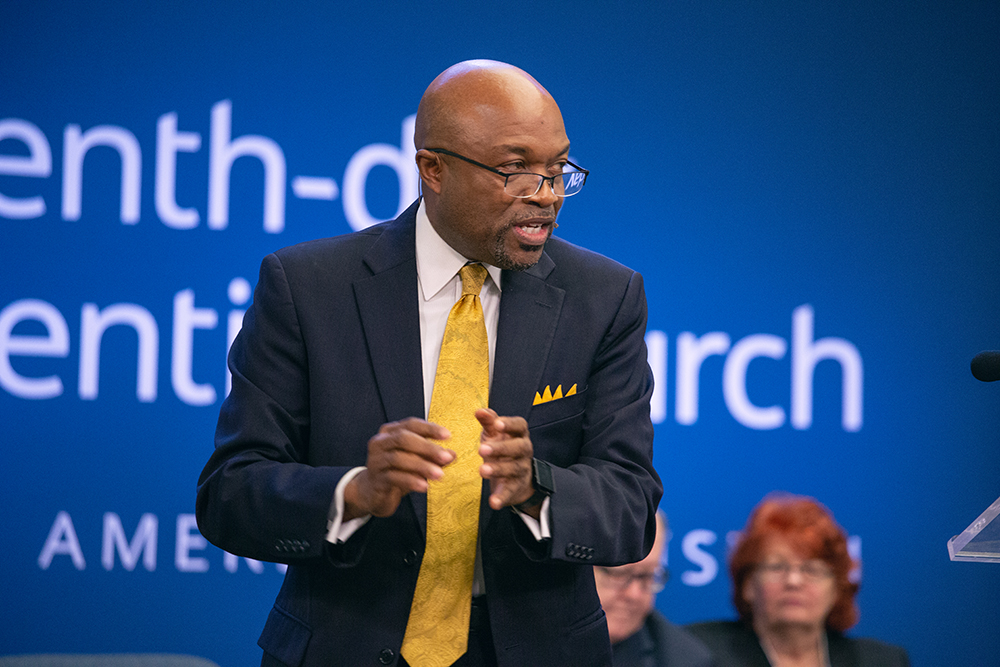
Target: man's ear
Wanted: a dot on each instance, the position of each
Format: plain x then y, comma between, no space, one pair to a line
430,166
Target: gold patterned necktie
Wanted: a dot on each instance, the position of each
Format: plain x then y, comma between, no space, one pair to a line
437,632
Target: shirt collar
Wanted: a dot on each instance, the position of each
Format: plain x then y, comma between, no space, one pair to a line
438,262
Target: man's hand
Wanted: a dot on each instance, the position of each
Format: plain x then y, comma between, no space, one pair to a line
507,452
401,458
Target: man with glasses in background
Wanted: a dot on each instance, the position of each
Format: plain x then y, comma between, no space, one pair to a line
640,635
441,423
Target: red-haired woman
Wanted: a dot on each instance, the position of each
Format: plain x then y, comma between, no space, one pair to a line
791,587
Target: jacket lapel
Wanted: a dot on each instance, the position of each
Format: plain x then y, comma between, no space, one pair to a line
388,307
529,312
387,304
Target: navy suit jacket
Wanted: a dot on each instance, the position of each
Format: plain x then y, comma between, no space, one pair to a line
330,351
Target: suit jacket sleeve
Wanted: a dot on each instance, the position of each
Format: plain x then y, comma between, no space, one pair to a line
258,497
606,502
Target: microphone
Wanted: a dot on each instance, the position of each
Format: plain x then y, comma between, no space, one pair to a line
986,366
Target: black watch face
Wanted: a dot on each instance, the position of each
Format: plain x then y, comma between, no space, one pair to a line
541,477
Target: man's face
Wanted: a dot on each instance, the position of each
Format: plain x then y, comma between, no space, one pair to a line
627,593
473,213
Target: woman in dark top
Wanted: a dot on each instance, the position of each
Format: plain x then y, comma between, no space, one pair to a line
792,590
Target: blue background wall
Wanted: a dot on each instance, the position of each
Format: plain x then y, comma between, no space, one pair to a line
747,158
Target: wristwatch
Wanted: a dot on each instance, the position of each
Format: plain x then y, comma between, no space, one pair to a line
542,481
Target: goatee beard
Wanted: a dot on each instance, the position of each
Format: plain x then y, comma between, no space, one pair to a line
507,263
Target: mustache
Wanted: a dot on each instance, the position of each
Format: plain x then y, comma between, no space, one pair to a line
541,217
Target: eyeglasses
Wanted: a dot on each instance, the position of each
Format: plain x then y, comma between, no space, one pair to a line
525,184
619,580
811,570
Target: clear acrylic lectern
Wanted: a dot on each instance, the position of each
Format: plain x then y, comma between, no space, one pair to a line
980,542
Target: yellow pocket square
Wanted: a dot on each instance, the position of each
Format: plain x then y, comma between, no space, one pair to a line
549,395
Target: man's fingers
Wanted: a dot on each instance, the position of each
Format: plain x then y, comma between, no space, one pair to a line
510,479
402,457
400,461
507,469
507,452
490,422
420,427
508,448
513,427
498,497
409,454
504,493
412,436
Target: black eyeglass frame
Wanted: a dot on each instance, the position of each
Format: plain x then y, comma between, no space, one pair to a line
657,581
550,179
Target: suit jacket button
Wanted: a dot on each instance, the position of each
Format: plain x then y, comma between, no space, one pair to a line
410,557
385,656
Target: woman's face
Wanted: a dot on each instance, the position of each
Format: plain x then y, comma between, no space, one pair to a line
789,590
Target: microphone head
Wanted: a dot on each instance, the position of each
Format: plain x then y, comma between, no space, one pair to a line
986,366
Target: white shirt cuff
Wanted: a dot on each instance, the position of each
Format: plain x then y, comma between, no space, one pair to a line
338,530
538,527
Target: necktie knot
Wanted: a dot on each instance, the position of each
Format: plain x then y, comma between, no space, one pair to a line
473,276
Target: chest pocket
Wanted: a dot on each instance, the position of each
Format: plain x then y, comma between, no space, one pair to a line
556,428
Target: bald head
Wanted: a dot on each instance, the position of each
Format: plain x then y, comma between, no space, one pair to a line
477,121
462,102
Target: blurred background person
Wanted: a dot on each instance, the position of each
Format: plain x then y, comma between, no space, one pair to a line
791,587
640,635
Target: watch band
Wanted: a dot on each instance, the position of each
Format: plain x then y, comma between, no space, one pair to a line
543,482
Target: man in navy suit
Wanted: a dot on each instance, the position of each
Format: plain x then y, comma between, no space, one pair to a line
323,454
